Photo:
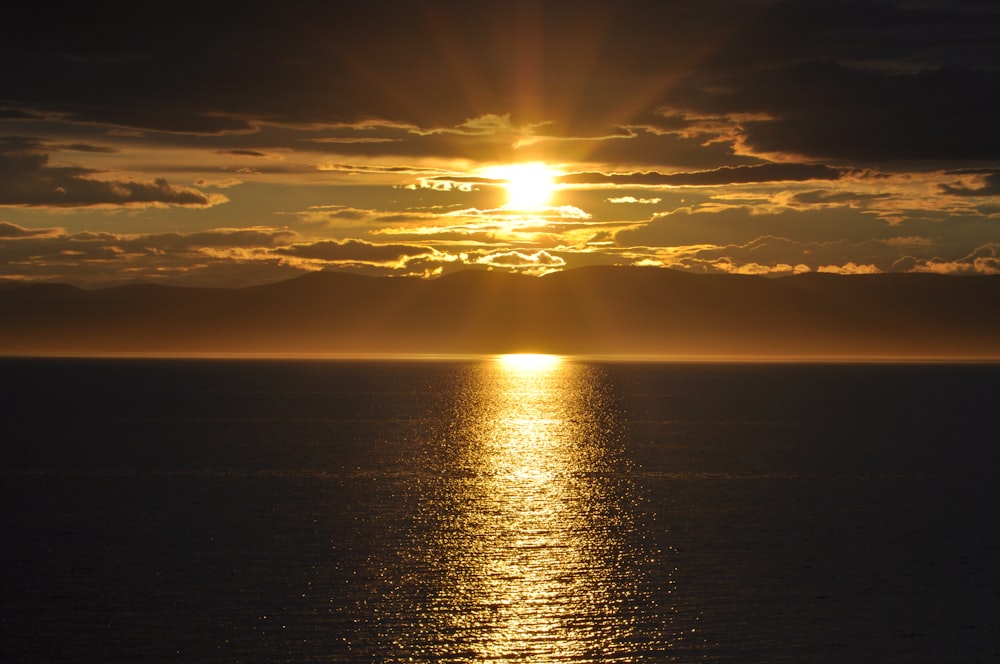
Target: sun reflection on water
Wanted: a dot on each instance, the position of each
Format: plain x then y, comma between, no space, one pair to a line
532,537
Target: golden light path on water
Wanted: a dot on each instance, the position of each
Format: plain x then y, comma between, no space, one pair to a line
531,535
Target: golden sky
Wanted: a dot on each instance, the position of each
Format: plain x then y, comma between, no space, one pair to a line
229,145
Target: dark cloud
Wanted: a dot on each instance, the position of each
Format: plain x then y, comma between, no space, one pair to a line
244,153
368,168
85,147
18,144
990,187
54,244
466,179
16,114
872,81
235,237
26,178
342,213
846,113
212,257
355,250
553,141
854,80
826,197
876,34
718,176
9,230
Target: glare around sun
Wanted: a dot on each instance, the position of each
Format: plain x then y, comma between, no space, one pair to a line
528,185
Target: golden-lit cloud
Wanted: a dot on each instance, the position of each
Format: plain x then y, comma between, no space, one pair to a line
633,200
537,263
849,268
982,260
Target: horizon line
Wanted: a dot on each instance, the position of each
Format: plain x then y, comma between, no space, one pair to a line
623,358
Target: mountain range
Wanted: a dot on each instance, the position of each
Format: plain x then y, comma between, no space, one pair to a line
604,311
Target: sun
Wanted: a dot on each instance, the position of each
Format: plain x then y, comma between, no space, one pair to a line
529,362
528,185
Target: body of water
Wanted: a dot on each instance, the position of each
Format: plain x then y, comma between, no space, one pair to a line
496,510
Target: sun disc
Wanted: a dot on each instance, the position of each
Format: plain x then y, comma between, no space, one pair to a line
528,186
529,361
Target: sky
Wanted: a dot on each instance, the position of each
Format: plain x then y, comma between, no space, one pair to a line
234,143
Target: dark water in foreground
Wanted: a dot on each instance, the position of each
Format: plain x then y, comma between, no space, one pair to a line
272,511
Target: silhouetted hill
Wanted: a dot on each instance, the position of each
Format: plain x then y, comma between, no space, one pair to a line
597,310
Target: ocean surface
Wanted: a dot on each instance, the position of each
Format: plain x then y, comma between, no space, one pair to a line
165,510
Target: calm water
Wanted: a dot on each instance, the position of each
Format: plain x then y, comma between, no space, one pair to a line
298,511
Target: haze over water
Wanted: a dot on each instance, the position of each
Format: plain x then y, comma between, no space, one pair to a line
529,508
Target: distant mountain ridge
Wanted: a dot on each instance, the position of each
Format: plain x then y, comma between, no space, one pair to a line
626,311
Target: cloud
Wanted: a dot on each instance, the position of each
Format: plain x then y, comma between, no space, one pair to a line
487,70
358,169
634,200
245,153
781,255
854,81
434,62
85,147
728,266
988,186
56,245
355,251
909,241
982,260
769,135
371,220
845,113
849,267
716,177
817,197
454,183
741,224
489,225
219,183
27,179
484,125
536,263
16,114
535,214
221,237
12,231
218,256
